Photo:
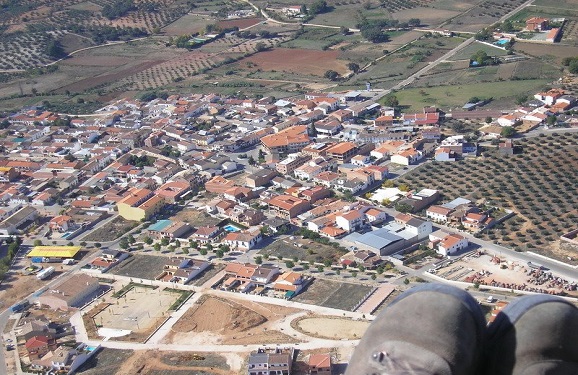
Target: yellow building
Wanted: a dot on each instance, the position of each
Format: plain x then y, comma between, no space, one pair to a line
54,251
140,204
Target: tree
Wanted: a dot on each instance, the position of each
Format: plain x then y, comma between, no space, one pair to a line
260,47
97,245
157,246
374,33
131,240
289,264
354,67
551,120
54,49
318,7
203,251
390,101
331,75
123,243
148,240
219,253
177,243
320,268
251,160
573,66
414,22
258,259
406,281
489,119
164,241
508,132
312,130
37,243
344,30
403,207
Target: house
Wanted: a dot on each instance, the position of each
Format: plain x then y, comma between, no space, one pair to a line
35,328
407,157
506,147
207,234
277,225
536,24
361,160
289,140
375,215
451,244
445,154
73,292
61,223
38,346
276,361
291,162
438,213
287,206
15,222
290,283
350,221
260,177
173,191
182,270
342,152
218,185
474,220
244,240
319,364
418,227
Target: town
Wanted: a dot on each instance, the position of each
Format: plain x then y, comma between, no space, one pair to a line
254,232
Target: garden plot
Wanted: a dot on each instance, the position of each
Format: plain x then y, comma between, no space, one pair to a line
333,294
145,267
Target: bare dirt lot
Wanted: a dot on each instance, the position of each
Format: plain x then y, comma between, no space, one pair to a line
298,61
138,310
111,361
230,322
195,218
331,328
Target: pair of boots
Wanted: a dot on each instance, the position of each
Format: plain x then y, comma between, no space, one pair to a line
439,329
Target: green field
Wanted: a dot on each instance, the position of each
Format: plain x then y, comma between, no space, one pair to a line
547,12
470,50
456,96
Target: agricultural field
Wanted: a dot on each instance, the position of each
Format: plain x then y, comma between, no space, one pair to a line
483,14
456,95
534,184
466,53
43,31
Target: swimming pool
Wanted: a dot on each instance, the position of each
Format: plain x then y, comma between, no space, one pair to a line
231,228
501,42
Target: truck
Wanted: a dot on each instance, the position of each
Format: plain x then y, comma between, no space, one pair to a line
45,273
19,306
68,261
44,260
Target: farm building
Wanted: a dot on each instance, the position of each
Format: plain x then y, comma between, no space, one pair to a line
74,292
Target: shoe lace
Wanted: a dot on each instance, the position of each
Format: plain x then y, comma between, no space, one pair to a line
387,365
